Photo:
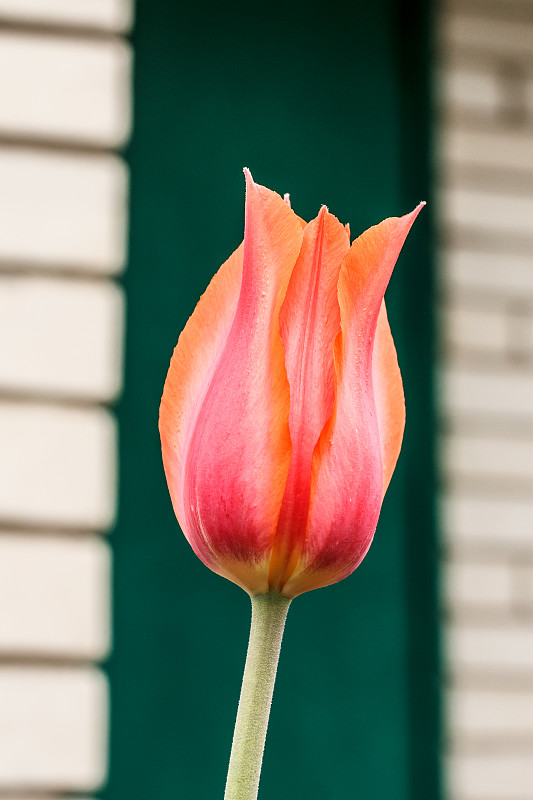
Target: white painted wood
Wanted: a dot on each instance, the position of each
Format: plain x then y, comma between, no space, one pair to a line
493,650
114,15
71,90
62,337
53,728
488,212
474,32
500,524
479,586
495,714
505,393
485,164
468,89
489,457
54,596
57,465
62,235
490,775
512,150
482,330
62,211
485,272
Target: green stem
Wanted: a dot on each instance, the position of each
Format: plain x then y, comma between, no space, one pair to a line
269,612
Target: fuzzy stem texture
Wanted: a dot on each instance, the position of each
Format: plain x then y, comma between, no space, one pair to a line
269,612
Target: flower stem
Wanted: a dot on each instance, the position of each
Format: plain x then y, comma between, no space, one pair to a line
269,612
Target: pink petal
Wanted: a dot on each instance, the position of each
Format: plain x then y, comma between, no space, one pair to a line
191,370
239,451
347,483
309,322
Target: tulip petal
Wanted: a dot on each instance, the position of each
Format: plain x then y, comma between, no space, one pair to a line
388,394
191,369
347,482
238,455
309,324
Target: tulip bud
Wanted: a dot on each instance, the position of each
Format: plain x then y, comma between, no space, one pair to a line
283,412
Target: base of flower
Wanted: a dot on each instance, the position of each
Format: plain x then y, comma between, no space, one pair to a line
269,612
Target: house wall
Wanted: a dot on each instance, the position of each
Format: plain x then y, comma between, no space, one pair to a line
64,114
485,169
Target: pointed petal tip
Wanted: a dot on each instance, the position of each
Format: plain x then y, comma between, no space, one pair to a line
248,178
412,215
321,216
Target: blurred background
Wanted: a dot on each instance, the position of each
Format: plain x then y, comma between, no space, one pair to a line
123,132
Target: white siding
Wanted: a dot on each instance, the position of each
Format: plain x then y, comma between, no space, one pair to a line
71,90
65,72
59,587
112,15
62,211
53,727
73,347
57,465
486,388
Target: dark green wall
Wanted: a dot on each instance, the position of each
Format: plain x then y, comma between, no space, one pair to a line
329,102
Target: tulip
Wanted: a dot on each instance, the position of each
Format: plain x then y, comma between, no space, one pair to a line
283,413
